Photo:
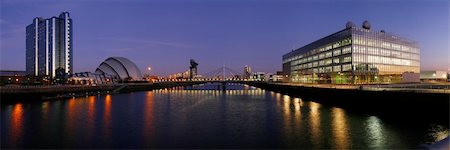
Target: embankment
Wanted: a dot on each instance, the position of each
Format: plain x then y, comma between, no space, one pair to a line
396,104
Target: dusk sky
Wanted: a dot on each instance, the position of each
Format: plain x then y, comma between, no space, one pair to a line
165,35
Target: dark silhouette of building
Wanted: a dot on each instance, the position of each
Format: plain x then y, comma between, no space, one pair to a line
193,69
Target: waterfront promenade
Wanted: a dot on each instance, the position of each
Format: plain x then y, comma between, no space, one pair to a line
12,93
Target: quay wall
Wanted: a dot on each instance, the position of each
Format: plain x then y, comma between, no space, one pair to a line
399,104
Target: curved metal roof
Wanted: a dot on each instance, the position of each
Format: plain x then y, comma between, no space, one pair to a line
121,67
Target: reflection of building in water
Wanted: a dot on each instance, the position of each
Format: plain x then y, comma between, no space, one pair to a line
314,123
340,129
17,120
353,55
375,132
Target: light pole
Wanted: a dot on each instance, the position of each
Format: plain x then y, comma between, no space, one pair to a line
149,69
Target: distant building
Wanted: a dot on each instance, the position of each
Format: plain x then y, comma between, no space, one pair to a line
90,78
49,46
278,77
260,76
247,72
193,69
120,67
355,55
433,75
410,77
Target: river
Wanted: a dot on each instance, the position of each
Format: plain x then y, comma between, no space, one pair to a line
203,117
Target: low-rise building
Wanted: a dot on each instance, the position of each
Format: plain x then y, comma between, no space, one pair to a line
12,77
434,75
278,77
90,78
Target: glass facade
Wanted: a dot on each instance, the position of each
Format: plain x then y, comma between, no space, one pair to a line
353,56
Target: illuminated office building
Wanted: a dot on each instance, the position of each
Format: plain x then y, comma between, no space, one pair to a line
354,55
49,48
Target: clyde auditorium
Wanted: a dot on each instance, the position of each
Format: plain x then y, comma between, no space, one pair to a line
113,69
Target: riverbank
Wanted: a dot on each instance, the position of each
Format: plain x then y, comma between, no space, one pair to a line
12,94
411,105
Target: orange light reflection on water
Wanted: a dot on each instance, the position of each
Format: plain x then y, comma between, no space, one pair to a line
16,122
107,128
340,129
314,123
148,116
90,120
70,118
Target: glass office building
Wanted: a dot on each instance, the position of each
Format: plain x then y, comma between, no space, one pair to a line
354,55
49,49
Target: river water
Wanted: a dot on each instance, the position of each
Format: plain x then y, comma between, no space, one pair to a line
202,117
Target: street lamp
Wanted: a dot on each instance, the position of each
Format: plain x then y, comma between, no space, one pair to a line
149,69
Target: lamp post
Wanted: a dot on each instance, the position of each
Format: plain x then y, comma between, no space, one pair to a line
149,69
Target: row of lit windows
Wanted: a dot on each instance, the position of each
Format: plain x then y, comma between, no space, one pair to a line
387,69
384,52
376,68
327,47
335,68
380,43
324,62
320,56
383,60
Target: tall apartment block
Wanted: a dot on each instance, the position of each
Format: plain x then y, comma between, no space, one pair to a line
49,48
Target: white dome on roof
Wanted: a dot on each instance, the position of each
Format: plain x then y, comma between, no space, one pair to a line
120,67
349,24
366,25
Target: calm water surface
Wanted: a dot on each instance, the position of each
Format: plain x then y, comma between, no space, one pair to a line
199,117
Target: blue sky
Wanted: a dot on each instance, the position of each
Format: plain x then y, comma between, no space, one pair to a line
166,34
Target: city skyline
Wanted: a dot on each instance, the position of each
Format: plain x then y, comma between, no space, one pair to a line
168,34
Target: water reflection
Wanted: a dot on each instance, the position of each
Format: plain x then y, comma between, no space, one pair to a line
340,128
16,123
437,133
45,108
148,131
90,120
177,118
70,118
314,123
106,126
375,132
287,107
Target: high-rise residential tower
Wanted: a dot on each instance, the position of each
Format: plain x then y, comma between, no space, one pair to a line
49,48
